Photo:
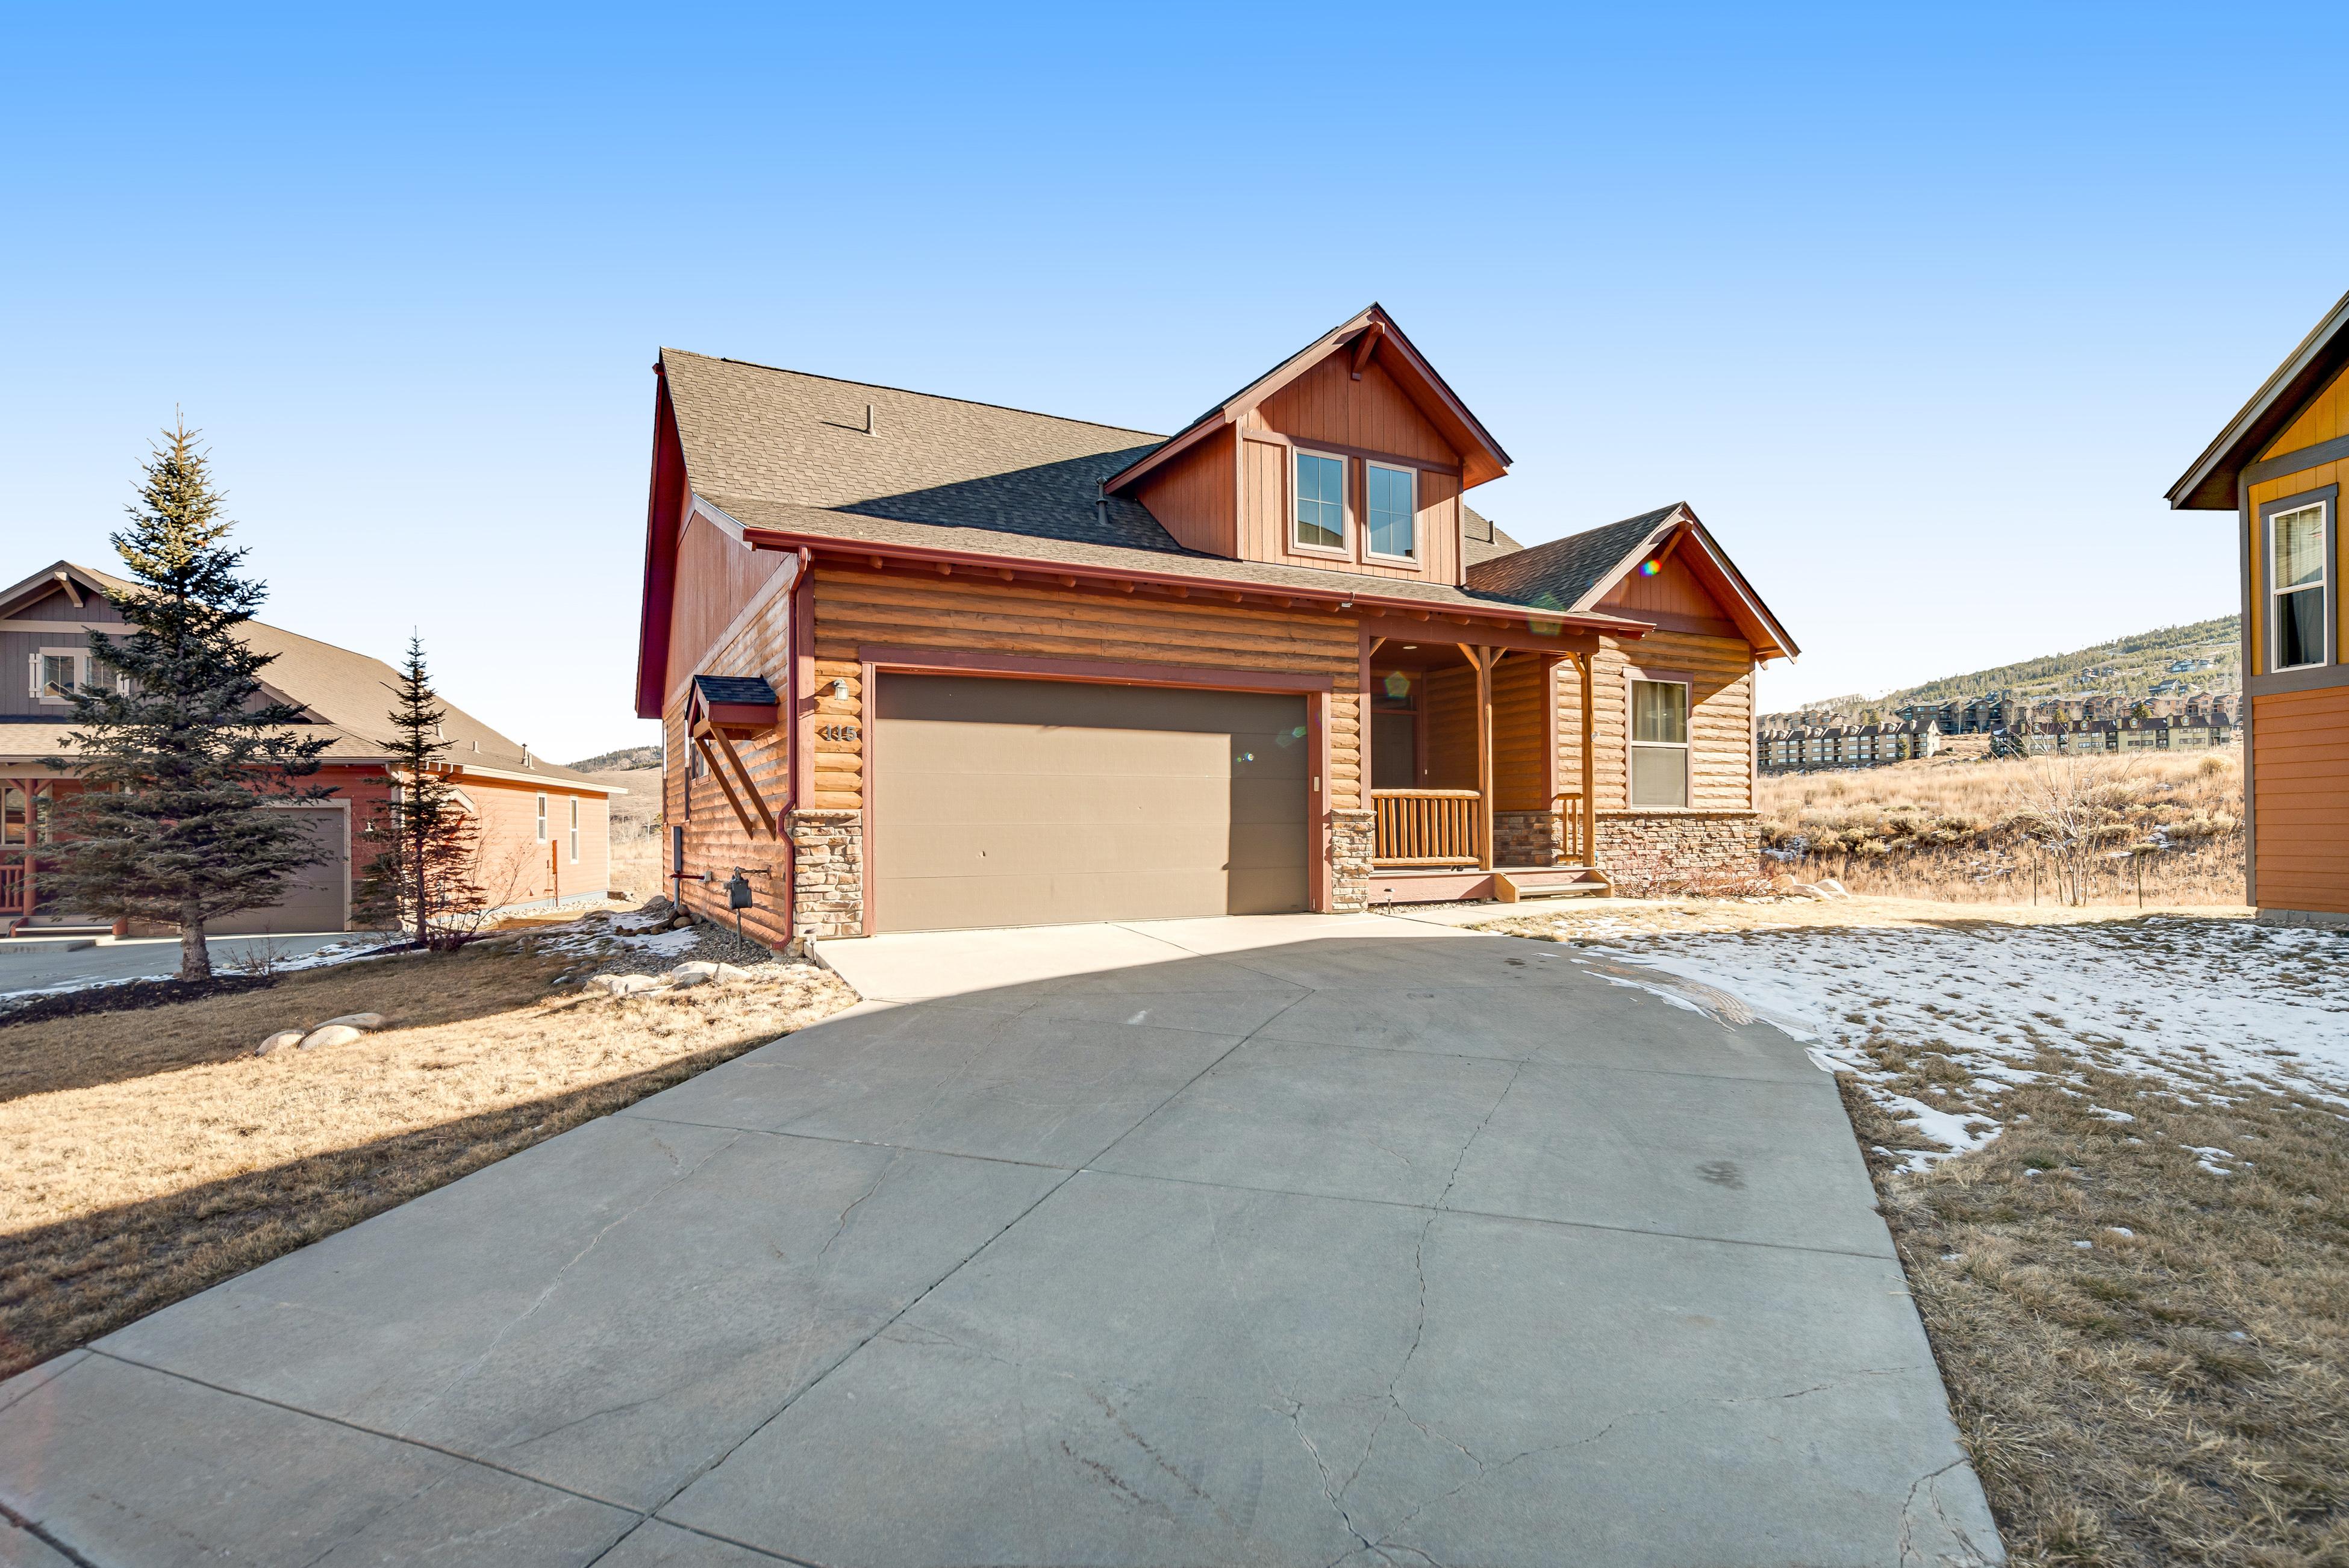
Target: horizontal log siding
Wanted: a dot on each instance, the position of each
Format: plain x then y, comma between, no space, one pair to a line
1519,736
715,839
1448,697
966,613
2300,783
1721,720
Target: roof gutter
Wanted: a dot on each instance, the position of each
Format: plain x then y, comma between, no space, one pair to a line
1126,579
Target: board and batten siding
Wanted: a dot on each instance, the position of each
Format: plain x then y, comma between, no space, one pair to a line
967,614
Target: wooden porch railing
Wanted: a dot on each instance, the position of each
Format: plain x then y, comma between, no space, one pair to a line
1425,827
1575,846
12,889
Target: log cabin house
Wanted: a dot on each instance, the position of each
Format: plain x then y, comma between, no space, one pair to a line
928,664
2278,466
544,830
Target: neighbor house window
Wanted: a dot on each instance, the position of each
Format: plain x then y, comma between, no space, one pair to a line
57,672
1660,744
1388,508
574,830
542,818
1320,522
2298,588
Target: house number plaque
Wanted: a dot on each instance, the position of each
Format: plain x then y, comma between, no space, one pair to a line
836,731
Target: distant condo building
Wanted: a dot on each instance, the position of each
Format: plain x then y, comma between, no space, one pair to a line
1998,723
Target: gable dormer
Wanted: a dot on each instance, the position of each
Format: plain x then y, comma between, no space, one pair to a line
1351,455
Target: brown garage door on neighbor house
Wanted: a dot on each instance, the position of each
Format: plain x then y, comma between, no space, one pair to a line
315,898
1033,802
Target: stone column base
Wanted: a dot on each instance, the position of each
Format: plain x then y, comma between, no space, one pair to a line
1353,838
1648,853
1527,839
827,873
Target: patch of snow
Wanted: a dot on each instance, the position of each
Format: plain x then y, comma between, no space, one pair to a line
2201,1007
2120,1230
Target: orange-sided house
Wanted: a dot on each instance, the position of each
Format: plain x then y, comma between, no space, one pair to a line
928,664
2279,466
544,831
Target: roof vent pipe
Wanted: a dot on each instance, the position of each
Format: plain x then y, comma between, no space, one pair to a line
868,421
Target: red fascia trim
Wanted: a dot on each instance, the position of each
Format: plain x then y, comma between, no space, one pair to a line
888,660
858,553
757,714
662,508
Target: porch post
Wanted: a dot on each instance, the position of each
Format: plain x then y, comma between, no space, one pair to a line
1484,659
1588,855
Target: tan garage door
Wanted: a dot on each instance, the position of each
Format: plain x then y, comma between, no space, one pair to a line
313,896
1012,802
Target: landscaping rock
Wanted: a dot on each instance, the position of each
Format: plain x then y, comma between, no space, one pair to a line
682,977
729,972
331,1035
699,968
627,984
680,923
358,1021
278,1042
1834,887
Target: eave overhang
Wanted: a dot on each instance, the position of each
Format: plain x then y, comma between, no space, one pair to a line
1122,579
1681,533
2212,483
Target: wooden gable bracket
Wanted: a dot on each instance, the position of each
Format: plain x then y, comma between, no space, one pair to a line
756,820
72,588
1367,345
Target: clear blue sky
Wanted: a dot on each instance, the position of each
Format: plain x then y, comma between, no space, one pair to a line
1922,312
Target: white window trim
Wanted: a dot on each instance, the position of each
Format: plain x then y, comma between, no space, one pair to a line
542,818
1344,549
574,830
1685,747
80,656
2322,587
1410,474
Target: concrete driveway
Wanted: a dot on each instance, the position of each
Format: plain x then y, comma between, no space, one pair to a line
1306,1241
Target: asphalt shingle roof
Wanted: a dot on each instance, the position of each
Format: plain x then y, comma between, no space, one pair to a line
750,690
1559,574
787,451
347,692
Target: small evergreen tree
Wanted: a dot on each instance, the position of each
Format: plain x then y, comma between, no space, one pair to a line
182,760
426,877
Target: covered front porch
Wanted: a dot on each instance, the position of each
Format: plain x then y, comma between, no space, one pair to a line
1479,760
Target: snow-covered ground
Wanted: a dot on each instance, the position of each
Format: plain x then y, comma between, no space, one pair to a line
2201,1006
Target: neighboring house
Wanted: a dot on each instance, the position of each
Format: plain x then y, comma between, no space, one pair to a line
925,663
543,829
2278,466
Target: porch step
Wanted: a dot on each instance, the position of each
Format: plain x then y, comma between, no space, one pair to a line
61,928
1514,883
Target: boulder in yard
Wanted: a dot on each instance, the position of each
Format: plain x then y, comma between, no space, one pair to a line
278,1042
700,968
1834,887
684,976
627,985
729,972
1809,889
331,1035
360,1021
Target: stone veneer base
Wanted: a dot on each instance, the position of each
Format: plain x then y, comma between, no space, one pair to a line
1648,852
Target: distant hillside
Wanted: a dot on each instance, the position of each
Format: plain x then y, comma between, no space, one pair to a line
621,760
2126,666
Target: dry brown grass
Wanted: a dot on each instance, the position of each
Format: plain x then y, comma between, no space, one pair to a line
144,1156
635,829
1953,829
2179,1395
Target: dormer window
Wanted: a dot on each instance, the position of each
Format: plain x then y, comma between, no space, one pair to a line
1321,519
1390,508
